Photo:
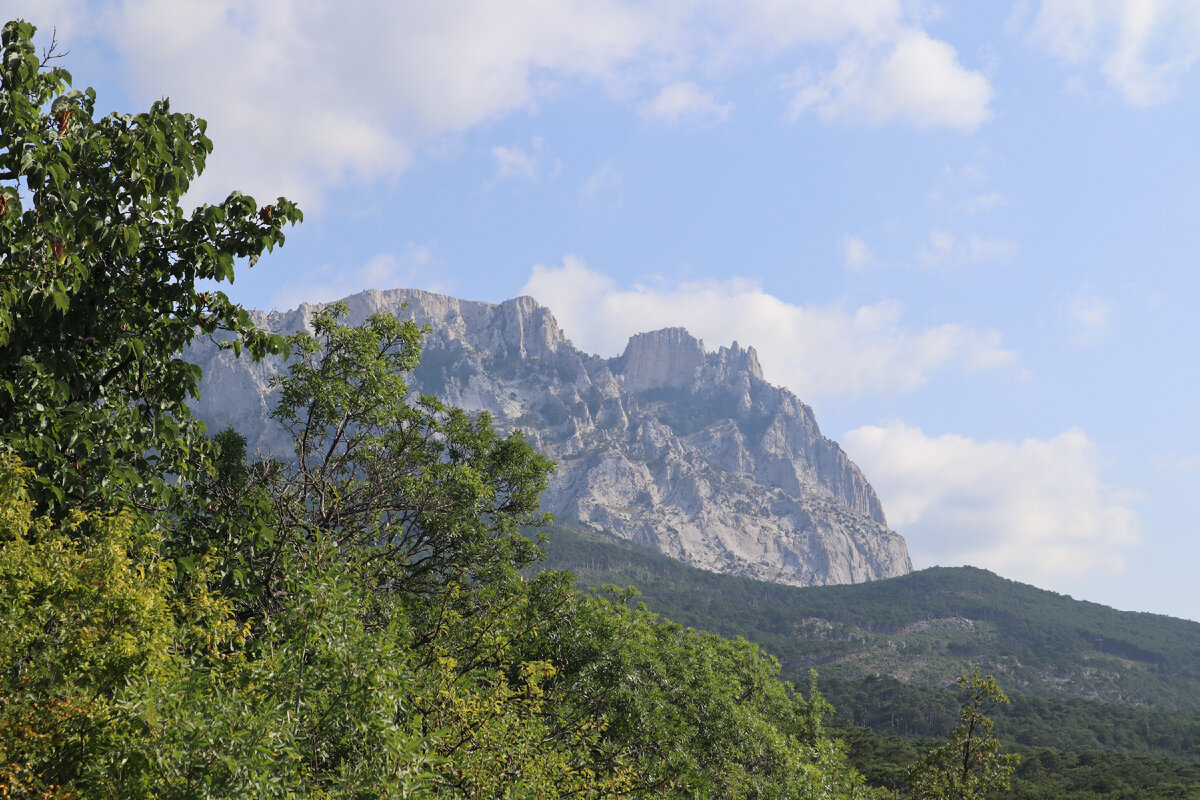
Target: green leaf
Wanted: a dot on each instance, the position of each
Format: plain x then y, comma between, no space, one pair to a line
97,324
132,239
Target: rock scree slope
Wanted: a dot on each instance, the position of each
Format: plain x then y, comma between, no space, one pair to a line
687,451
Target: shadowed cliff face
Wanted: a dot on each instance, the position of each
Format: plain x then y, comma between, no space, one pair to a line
685,450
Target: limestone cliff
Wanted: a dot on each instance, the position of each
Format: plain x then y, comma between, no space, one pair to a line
685,450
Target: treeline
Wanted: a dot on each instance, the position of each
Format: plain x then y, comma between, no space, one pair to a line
1043,774
179,621
1072,748
891,706
801,627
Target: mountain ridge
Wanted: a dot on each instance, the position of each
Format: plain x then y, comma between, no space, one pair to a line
688,451
924,628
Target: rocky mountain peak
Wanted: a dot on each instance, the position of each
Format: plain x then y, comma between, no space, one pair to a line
529,329
667,358
737,359
687,451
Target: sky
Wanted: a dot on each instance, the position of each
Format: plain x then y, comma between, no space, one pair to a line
965,233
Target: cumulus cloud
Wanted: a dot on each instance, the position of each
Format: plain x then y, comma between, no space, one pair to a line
1141,47
685,102
303,98
814,350
414,268
911,78
776,24
1035,510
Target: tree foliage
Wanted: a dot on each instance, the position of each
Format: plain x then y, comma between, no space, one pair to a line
85,621
430,490
98,294
970,766
704,716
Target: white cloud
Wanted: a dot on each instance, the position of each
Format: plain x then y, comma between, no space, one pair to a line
777,24
856,254
685,102
415,268
1087,316
814,350
303,98
946,251
1035,510
64,19
912,78
1141,47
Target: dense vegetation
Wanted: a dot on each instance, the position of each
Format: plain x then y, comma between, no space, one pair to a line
1043,774
177,621
927,627
1074,746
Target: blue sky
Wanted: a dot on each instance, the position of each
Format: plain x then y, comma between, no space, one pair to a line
965,233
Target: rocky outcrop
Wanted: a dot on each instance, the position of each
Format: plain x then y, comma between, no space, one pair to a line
688,451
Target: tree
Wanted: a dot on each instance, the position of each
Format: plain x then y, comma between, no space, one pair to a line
87,623
98,286
970,765
691,714
432,494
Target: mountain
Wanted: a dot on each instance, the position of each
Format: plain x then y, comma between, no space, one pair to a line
689,452
1083,677
926,627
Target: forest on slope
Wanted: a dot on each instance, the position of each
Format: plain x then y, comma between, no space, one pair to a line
927,627
1088,721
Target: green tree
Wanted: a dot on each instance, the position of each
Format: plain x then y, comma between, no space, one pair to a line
99,268
970,765
86,623
434,495
693,714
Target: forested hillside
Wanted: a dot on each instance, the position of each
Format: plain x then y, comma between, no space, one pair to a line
926,628
887,653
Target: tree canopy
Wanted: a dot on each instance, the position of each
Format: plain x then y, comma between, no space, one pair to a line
101,284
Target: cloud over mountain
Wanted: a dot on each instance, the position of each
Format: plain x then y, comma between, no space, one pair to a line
831,350
1034,510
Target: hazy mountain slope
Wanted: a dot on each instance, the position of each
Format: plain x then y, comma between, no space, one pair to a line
686,451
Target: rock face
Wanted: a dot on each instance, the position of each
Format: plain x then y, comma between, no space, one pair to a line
687,451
